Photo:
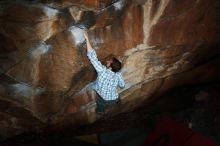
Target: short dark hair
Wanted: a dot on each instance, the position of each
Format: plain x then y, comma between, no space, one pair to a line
115,65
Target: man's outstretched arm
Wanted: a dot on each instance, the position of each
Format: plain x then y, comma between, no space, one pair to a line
88,44
92,55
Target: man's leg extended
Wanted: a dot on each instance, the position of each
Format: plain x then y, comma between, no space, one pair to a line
100,104
112,102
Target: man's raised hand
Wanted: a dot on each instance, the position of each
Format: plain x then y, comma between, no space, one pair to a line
85,34
89,46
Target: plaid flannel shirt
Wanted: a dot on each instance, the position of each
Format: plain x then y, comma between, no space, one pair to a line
107,81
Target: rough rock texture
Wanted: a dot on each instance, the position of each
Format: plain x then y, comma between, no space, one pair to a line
44,68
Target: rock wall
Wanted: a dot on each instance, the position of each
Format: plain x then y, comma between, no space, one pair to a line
44,68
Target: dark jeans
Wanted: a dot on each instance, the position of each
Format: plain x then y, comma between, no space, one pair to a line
101,103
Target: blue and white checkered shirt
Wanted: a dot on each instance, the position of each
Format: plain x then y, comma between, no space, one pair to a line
107,81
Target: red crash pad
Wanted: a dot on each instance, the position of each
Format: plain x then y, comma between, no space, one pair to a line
171,133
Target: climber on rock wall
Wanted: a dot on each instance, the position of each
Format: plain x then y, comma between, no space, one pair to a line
108,79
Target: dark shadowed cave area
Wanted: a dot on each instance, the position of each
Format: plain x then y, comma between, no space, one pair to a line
170,51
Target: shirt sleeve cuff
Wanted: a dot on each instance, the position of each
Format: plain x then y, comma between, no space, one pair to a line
90,53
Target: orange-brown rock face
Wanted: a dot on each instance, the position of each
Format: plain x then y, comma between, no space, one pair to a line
44,68
177,18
